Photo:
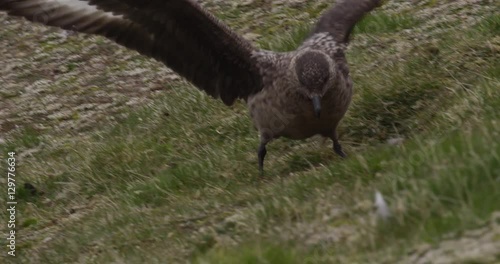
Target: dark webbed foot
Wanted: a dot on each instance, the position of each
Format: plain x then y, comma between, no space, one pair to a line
261,153
338,149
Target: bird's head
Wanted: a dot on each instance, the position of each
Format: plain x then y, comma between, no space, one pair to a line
314,74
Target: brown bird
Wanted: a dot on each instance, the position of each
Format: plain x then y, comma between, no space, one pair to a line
294,94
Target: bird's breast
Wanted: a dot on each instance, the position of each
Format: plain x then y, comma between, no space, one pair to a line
280,115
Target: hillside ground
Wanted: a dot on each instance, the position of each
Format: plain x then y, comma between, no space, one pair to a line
131,164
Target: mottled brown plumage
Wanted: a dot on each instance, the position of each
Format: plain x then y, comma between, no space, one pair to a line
295,94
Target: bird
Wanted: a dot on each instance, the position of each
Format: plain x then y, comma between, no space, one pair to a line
295,94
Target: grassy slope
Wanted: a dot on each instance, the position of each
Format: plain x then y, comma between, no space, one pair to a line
176,180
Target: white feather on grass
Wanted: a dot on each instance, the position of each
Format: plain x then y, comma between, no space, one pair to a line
383,211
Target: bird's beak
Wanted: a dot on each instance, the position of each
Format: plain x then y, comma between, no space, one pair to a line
317,105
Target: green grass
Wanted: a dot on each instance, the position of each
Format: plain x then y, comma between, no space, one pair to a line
177,181
289,41
254,255
385,23
27,137
457,183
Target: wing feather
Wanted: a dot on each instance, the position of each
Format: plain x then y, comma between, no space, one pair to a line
341,18
178,33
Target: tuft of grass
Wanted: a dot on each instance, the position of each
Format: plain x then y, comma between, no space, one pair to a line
288,41
26,138
448,185
385,23
252,254
489,25
395,107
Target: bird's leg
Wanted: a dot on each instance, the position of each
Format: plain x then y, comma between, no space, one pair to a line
336,145
262,154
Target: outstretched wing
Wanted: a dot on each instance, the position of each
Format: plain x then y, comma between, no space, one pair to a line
178,33
340,20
